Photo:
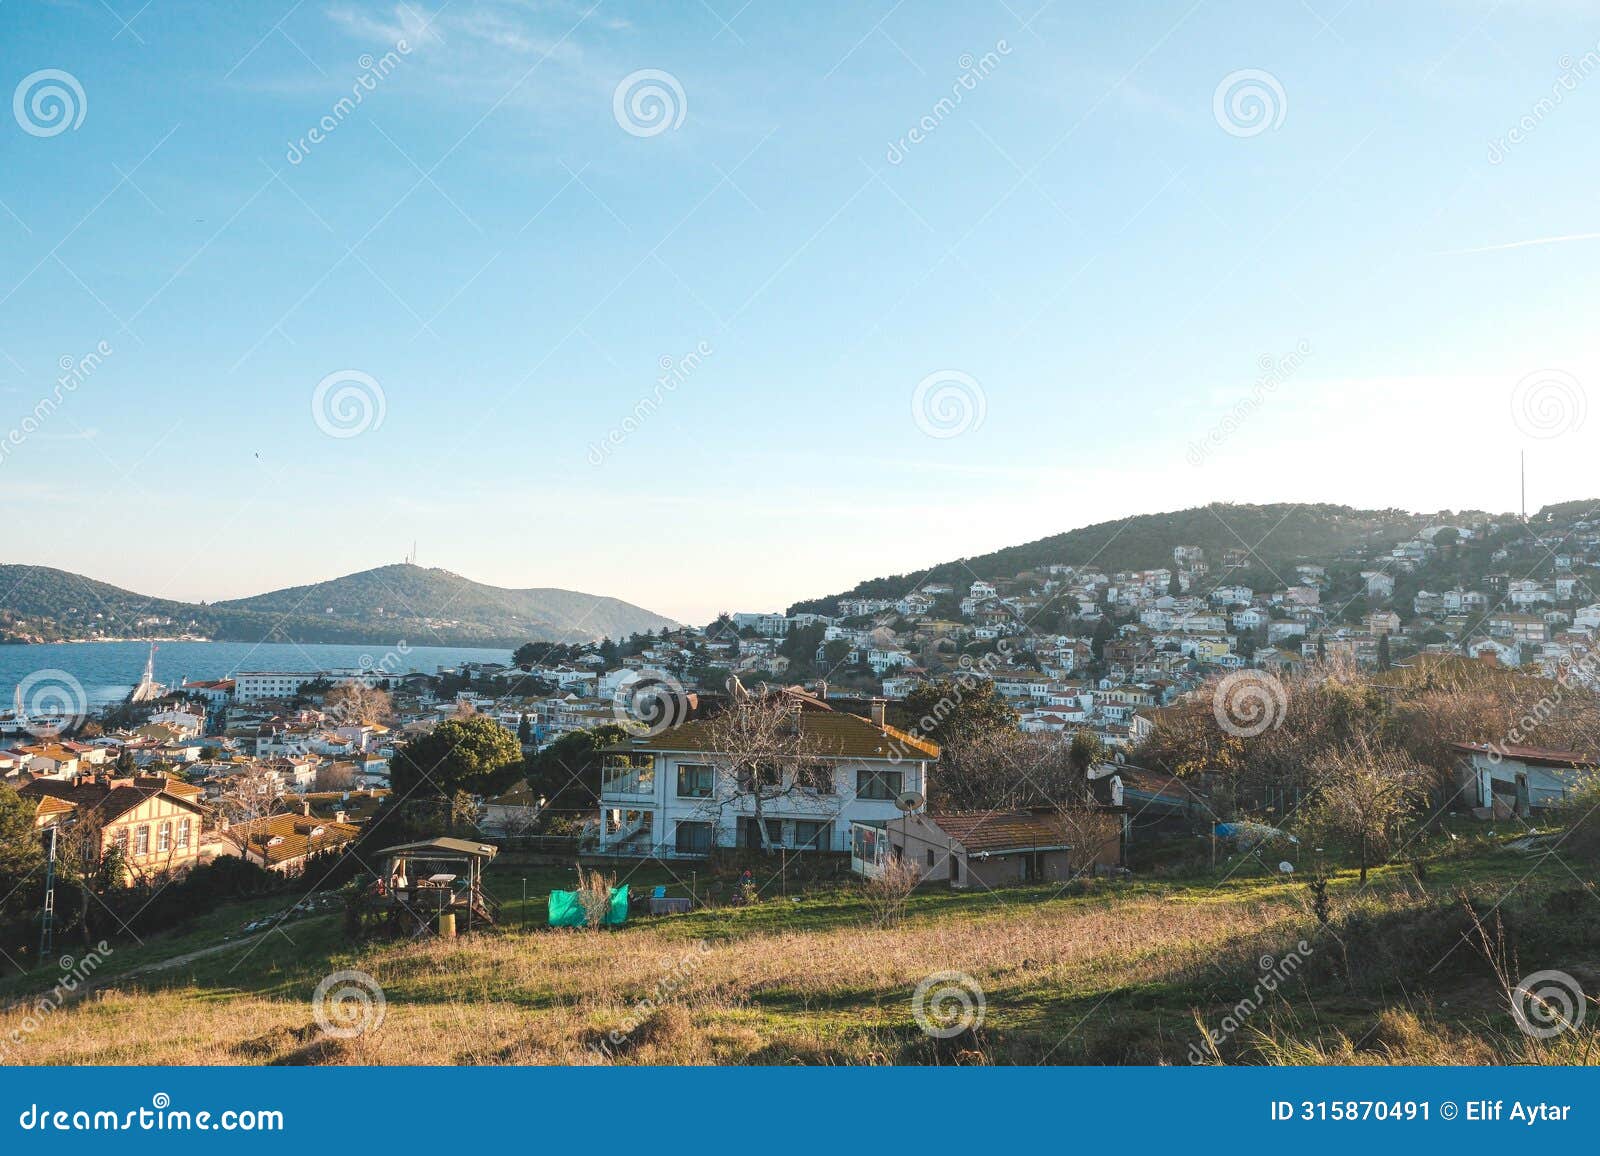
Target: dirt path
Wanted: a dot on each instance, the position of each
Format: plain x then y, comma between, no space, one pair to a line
188,956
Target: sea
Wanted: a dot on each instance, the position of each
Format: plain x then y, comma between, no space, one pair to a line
107,671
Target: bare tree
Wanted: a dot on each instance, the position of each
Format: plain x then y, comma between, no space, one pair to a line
250,795
1088,829
357,702
761,753
336,776
1366,793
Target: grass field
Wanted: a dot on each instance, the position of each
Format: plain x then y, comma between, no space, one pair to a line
1108,972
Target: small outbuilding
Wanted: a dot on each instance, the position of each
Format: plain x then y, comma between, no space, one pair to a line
994,848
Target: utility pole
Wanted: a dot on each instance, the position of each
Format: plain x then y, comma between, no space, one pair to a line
47,928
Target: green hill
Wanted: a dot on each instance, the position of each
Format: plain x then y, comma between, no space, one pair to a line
1278,535
425,606
438,600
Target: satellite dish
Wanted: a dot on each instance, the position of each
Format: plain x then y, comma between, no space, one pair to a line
1286,867
909,800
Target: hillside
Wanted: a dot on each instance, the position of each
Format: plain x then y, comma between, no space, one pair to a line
439,600
1279,534
424,606
1096,972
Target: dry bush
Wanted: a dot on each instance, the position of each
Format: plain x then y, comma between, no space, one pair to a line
594,896
888,891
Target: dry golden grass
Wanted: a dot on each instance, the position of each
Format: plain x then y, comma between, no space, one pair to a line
1099,978
840,994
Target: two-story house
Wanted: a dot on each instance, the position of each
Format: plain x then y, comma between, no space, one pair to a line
153,821
673,794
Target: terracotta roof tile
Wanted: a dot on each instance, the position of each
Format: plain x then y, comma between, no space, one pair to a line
1002,830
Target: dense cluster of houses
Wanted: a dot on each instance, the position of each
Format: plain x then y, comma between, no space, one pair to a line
1071,648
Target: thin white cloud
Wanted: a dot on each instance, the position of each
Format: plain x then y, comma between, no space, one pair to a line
1525,244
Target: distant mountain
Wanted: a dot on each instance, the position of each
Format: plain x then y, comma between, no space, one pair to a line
422,606
1273,536
439,601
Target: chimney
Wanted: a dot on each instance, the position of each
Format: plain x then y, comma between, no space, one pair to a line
305,807
339,817
879,705
822,690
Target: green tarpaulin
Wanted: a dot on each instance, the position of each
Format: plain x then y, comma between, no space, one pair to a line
566,911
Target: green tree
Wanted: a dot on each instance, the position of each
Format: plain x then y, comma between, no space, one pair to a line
524,730
1084,752
1104,631
567,772
957,708
472,754
1384,662
800,648
20,852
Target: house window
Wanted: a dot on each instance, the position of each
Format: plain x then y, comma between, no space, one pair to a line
120,841
693,838
694,781
810,835
767,774
141,841
930,858
184,834
164,838
878,784
774,832
817,778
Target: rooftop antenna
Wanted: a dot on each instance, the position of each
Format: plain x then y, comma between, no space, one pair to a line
1523,455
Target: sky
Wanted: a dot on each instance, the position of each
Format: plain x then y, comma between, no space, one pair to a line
719,305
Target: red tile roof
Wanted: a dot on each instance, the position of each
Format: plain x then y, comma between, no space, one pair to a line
1002,830
1544,755
828,733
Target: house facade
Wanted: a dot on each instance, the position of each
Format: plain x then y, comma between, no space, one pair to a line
673,795
993,848
1499,781
154,822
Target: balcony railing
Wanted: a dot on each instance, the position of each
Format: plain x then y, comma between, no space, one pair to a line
627,781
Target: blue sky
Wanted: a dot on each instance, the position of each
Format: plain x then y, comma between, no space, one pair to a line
1093,251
